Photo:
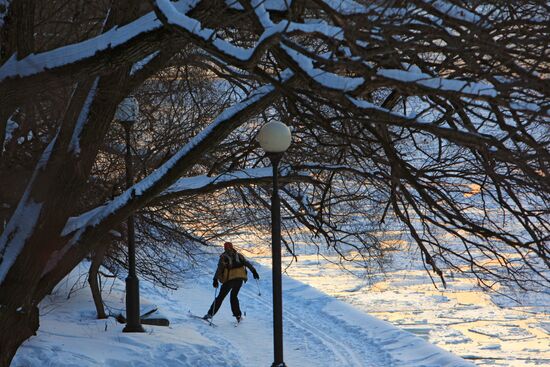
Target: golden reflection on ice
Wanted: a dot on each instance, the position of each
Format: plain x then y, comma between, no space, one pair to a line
460,319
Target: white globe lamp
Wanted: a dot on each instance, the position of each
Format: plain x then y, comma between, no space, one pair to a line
274,137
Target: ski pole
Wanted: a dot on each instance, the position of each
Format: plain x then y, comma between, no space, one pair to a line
214,309
258,284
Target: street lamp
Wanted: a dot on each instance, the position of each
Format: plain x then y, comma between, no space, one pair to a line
126,114
275,138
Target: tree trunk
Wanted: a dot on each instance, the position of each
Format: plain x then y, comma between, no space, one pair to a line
93,279
20,325
56,188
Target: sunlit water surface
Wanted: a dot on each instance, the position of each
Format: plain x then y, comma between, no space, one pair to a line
483,328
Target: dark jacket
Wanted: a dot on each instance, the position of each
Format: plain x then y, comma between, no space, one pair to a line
231,265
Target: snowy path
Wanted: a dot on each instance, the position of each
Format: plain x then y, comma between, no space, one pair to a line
318,331
309,333
309,326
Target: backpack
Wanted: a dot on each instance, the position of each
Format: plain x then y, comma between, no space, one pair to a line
232,262
233,267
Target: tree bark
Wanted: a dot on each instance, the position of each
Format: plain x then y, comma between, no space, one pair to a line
93,280
51,197
17,326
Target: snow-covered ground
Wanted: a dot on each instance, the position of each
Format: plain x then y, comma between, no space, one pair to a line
488,329
319,330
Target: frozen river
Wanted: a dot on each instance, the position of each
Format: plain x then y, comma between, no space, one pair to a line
489,330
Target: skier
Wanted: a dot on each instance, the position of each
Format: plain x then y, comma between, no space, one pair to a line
231,273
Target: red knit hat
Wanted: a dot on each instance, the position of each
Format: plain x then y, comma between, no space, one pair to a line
228,246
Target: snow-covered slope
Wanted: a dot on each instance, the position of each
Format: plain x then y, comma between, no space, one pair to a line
319,330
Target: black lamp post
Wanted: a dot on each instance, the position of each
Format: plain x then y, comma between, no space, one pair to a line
126,114
275,139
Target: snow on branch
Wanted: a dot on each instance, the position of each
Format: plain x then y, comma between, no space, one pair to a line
202,181
74,145
436,83
143,62
11,127
413,75
95,48
461,137
347,7
322,77
273,5
23,221
453,10
192,26
285,26
161,178
209,39
436,8
201,184
206,36
108,41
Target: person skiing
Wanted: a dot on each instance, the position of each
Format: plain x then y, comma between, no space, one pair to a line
231,273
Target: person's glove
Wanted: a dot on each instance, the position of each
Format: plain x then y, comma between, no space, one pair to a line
255,274
215,283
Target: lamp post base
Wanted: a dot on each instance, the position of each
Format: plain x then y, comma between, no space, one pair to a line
282,364
133,329
133,324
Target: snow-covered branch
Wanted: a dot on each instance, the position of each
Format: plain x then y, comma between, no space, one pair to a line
23,221
208,38
83,116
203,184
7,135
95,47
198,185
147,189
